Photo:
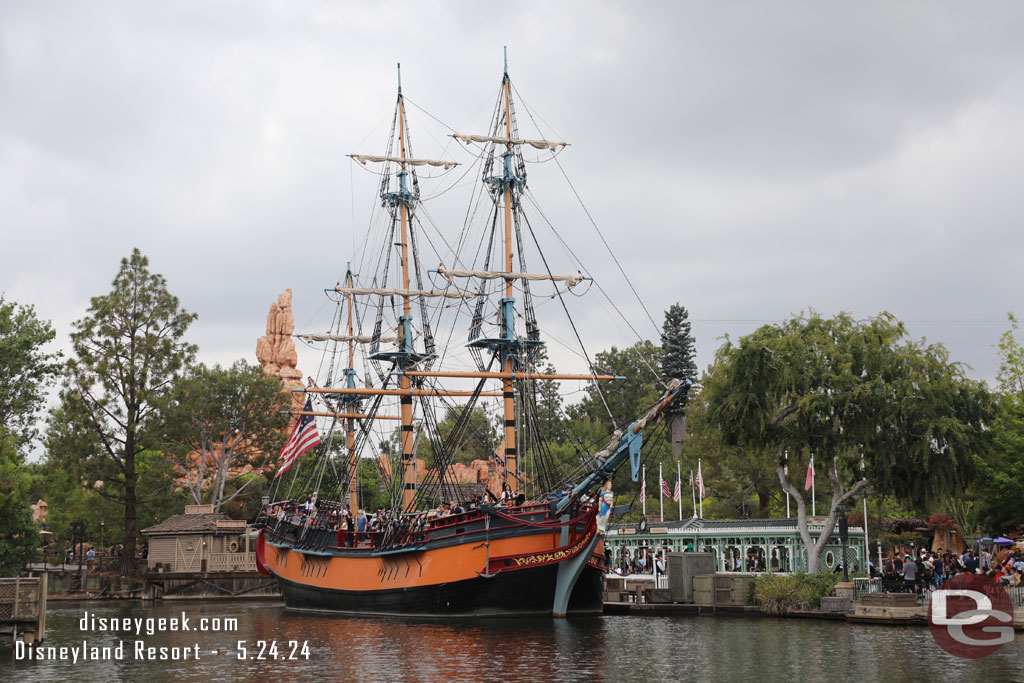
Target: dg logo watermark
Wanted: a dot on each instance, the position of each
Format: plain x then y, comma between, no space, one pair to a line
971,616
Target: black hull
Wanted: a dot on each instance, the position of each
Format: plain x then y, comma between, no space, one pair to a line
517,593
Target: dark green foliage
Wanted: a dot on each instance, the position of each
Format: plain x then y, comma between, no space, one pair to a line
849,390
1001,476
678,359
19,536
223,426
128,349
784,593
25,368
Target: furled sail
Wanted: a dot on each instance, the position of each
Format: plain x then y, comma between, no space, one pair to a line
537,144
388,291
363,158
358,338
569,280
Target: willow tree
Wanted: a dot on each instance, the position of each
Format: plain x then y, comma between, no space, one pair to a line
874,407
127,351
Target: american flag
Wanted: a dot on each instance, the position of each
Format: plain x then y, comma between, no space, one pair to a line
700,484
304,437
678,493
664,488
643,489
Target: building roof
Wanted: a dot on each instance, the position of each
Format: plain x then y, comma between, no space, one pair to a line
191,524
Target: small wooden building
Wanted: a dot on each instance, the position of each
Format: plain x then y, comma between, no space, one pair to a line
200,540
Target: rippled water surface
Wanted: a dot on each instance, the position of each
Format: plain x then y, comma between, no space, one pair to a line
731,649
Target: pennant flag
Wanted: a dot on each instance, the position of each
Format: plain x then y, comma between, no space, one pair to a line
664,488
678,493
643,489
304,437
810,475
700,484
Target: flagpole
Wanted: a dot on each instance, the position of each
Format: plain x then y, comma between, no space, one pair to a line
787,478
661,494
693,493
679,488
700,474
643,493
867,547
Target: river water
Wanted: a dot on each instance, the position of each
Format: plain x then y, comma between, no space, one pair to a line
611,648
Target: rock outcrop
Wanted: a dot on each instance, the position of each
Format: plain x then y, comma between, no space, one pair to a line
276,351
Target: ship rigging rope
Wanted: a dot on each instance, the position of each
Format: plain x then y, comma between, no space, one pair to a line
601,289
576,332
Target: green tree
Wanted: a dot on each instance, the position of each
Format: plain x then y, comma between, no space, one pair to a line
1001,476
850,392
678,361
81,484
127,352
221,424
19,536
625,399
26,369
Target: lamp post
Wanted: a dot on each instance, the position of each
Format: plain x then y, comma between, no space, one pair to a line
103,535
843,533
879,557
265,499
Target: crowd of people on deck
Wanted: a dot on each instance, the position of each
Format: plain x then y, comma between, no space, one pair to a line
360,529
929,570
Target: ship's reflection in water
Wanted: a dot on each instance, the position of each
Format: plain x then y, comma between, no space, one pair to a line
501,649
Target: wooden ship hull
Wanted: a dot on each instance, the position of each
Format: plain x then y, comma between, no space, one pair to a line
474,564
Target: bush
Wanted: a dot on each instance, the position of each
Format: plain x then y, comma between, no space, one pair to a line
783,593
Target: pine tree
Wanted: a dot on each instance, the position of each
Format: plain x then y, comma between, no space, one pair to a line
677,345
128,350
677,362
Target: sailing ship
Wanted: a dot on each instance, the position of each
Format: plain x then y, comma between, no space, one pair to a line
534,549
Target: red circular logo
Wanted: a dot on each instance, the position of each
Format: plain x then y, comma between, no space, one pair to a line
971,616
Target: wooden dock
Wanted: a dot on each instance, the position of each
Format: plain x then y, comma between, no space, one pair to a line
23,608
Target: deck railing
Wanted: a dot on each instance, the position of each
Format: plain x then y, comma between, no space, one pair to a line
231,562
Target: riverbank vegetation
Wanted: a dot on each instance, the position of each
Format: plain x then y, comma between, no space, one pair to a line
784,593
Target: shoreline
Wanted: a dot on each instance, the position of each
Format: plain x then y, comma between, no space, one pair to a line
889,616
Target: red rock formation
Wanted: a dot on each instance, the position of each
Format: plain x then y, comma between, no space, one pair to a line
276,351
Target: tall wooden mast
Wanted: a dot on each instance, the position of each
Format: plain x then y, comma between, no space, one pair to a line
350,423
508,310
405,326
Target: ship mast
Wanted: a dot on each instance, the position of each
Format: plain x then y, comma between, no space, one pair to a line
507,310
405,322
350,423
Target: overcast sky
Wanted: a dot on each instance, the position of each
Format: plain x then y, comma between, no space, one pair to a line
748,160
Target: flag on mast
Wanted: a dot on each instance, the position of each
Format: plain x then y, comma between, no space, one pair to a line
666,491
810,475
700,483
303,437
677,493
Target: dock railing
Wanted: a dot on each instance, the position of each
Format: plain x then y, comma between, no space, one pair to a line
23,606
